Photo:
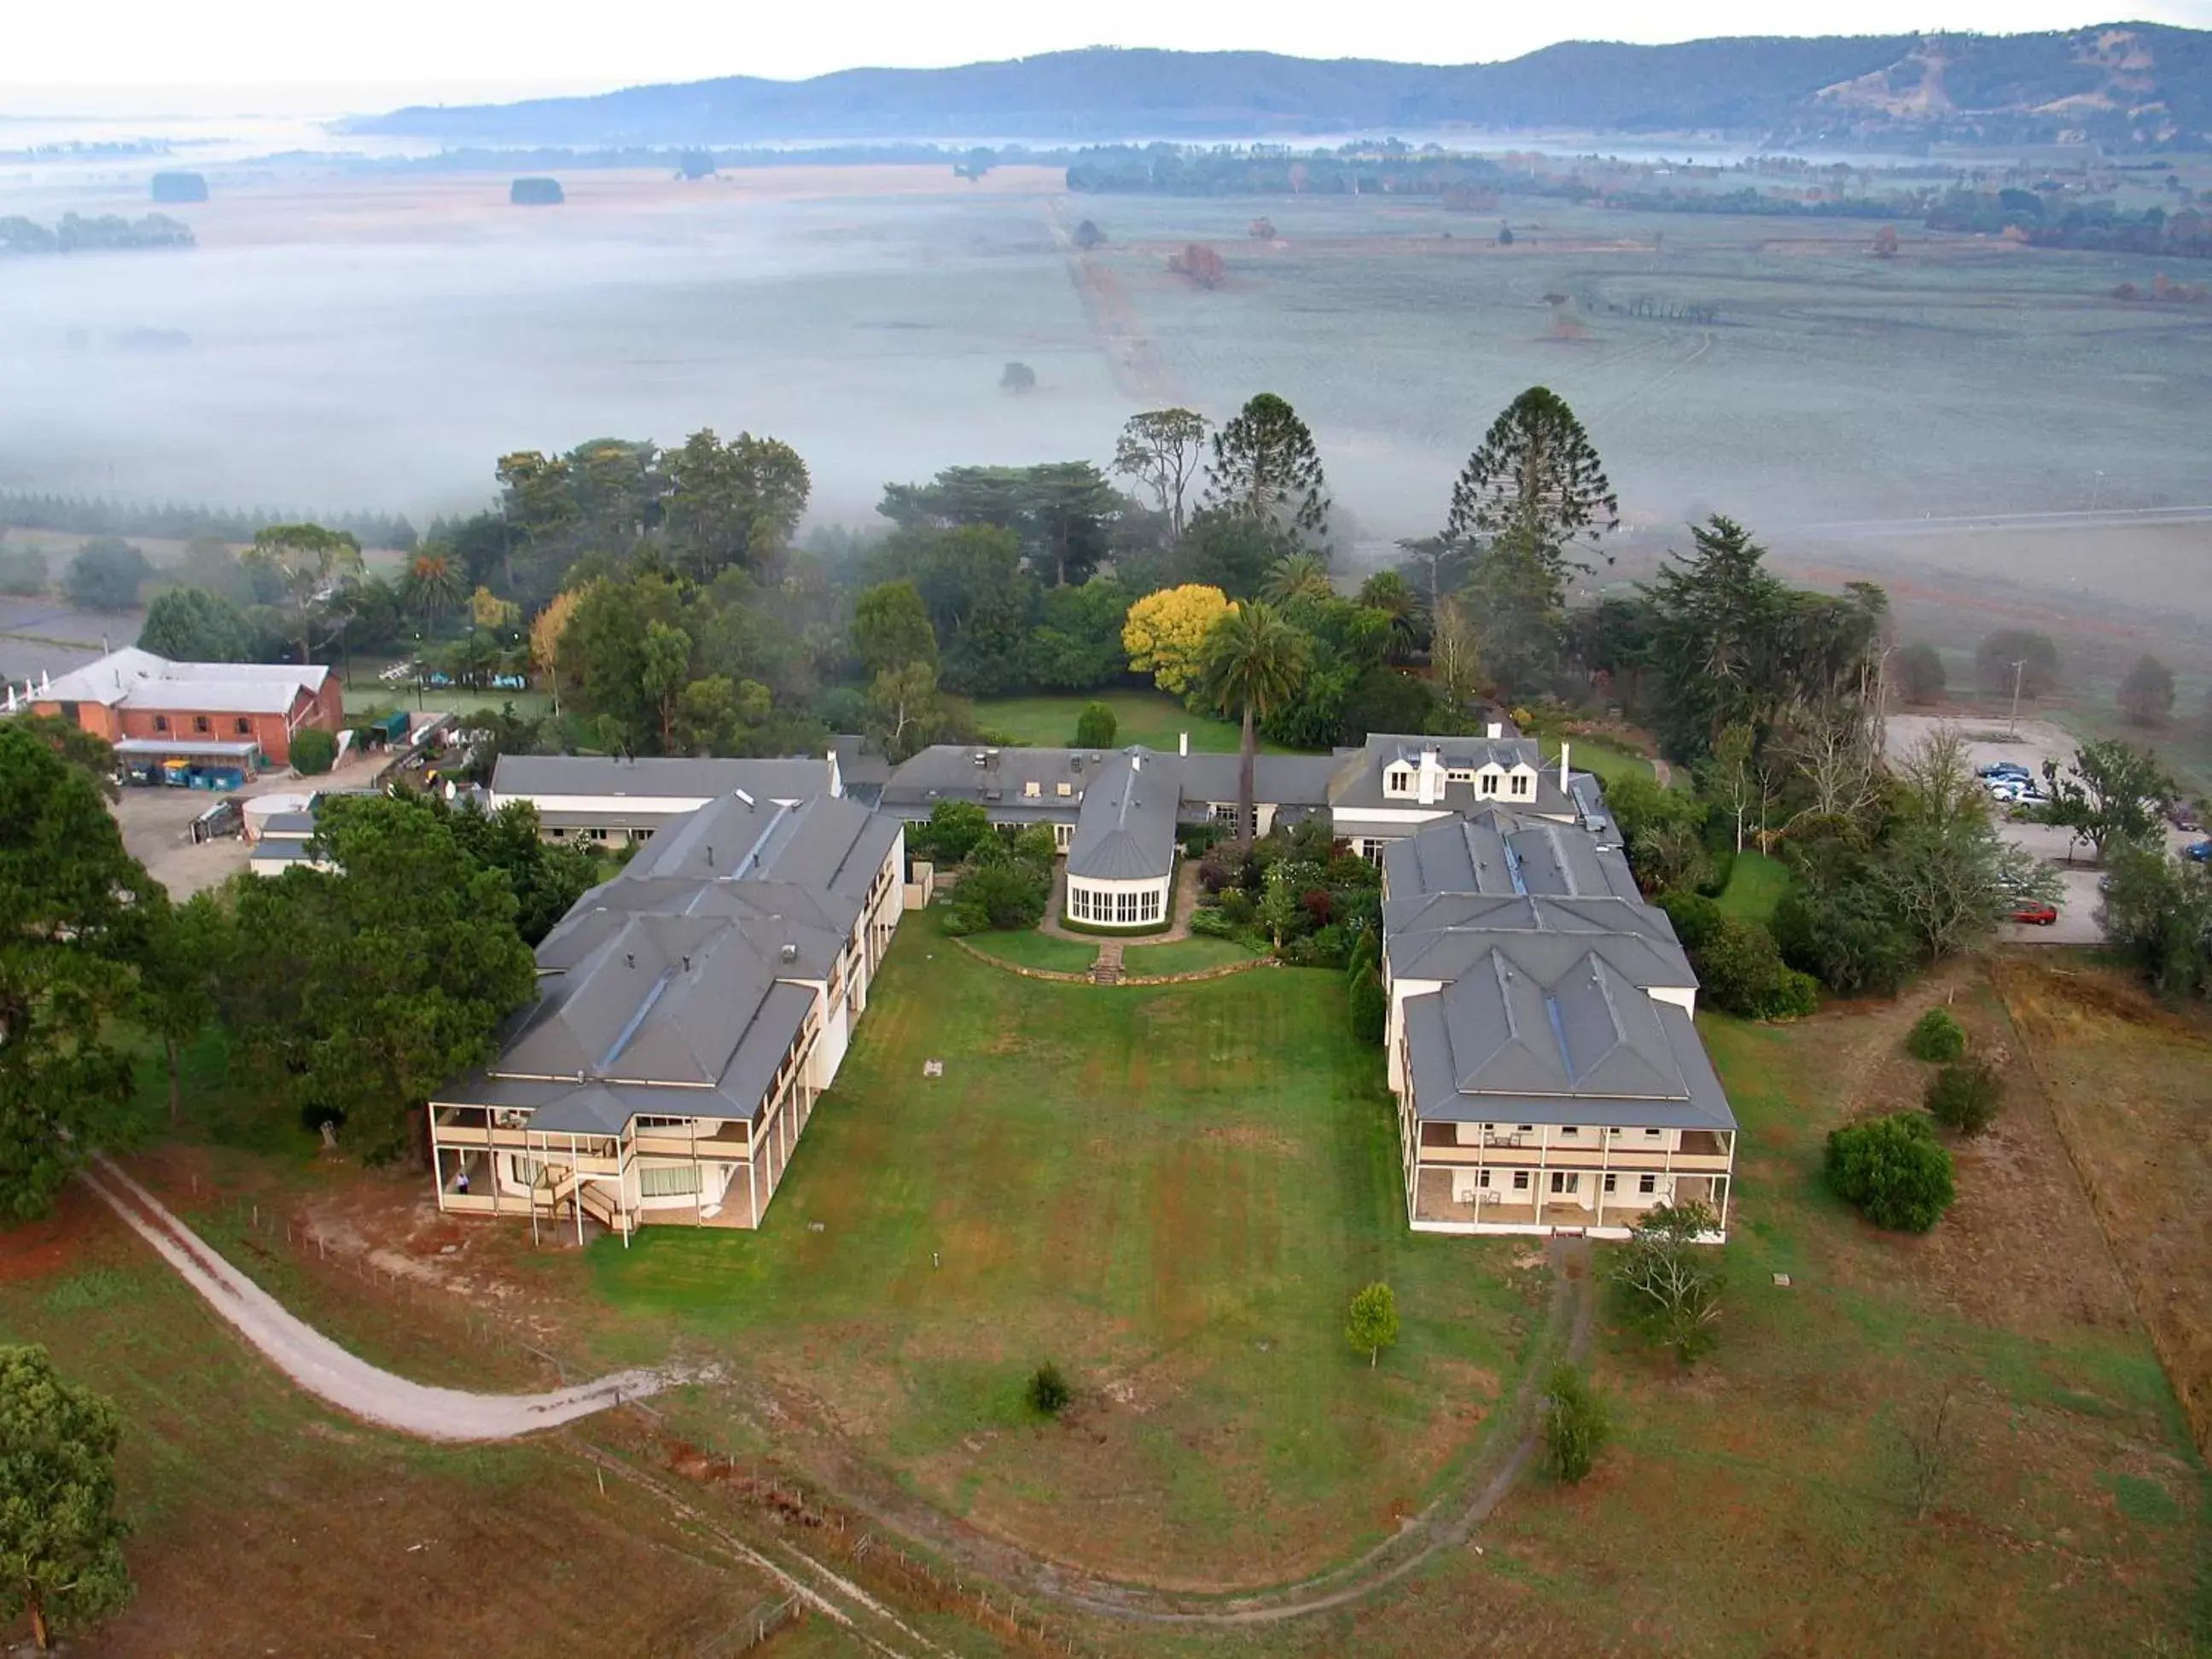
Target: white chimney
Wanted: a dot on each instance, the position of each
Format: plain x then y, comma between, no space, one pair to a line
1183,743
1429,778
46,681
1496,731
1563,766
1136,761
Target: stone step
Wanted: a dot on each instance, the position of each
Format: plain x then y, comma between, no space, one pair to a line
1107,970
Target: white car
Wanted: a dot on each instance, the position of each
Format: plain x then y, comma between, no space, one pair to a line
2008,790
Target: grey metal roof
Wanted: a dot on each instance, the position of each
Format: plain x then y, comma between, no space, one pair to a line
833,844
677,989
997,778
1277,779
1126,829
1540,939
860,763
1493,851
287,851
1359,780
287,826
1581,1047
657,777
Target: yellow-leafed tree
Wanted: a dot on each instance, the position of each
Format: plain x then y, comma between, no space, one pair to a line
1165,633
490,611
545,631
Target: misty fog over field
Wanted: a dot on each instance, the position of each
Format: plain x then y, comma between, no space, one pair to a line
376,340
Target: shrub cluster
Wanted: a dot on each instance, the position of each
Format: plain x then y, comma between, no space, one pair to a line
1575,1425
1936,1037
314,751
1964,1096
1295,892
1004,884
1893,1170
1048,1392
1739,967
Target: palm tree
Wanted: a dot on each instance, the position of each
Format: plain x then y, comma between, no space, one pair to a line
433,584
1298,577
1254,663
1386,591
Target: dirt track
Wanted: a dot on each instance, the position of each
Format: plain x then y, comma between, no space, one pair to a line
327,1371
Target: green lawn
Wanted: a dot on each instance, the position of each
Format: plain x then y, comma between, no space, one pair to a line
1756,884
1031,949
1172,1193
1151,718
1185,956
1609,761
364,692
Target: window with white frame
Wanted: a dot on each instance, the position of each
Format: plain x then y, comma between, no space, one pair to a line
1486,784
1399,781
1033,788
1609,1182
1520,1181
1061,835
1484,1180
1227,812
677,1181
1523,784
1567,1180
1647,1183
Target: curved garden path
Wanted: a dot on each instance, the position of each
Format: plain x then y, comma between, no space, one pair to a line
327,1371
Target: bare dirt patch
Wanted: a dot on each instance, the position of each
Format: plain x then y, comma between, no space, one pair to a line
49,1247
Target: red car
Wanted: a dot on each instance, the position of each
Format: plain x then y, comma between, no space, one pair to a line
2036,912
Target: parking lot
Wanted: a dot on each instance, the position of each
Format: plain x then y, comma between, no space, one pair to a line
2035,743
157,826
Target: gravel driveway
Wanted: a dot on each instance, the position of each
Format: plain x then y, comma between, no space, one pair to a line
327,1371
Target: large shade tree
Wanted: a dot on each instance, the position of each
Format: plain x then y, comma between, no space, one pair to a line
61,1541
312,562
1254,662
354,992
733,503
74,917
1163,450
191,625
1536,478
1265,468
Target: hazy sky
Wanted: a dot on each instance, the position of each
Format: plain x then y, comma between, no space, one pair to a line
362,57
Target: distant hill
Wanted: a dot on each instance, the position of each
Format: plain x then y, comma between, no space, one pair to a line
2126,86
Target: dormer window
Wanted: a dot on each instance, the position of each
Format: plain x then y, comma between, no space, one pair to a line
1400,782
1032,789
1065,789
1486,784
1521,781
